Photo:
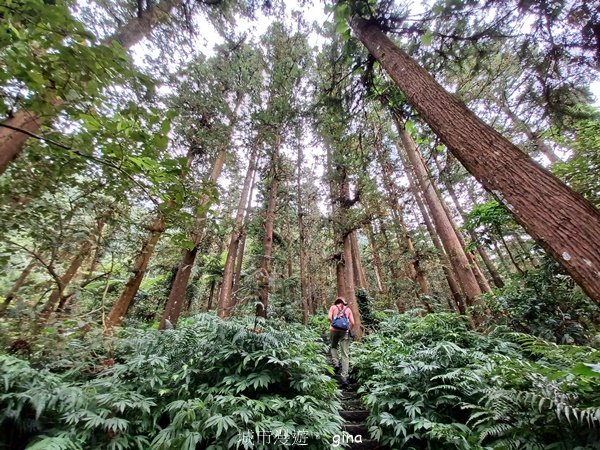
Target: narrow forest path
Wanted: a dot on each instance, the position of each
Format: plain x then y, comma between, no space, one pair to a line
355,415
356,431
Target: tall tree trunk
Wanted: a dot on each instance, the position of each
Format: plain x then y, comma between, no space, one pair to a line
210,295
10,295
381,287
455,289
414,271
450,240
570,232
302,256
479,276
340,201
340,274
97,248
265,265
12,140
140,265
349,288
239,263
242,246
357,267
226,300
176,298
496,278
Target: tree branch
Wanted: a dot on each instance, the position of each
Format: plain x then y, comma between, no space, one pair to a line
83,155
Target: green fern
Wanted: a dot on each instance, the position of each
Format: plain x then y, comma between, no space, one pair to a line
202,384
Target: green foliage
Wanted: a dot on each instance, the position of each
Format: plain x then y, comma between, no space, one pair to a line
205,382
582,169
40,46
365,307
546,303
320,323
490,214
430,382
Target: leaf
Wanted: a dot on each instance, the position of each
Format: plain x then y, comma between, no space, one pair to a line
342,27
427,38
72,95
191,440
343,11
587,370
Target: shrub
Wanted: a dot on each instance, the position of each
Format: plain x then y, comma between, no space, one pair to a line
365,307
546,303
432,383
208,382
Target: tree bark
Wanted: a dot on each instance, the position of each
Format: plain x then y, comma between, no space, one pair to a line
570,232
479,276
12,141
265,265
140,266
496,278
242,246
357,267
349,288
339,189
226,301
10,295
381,287
340,274
239,262
176,298
443,226
414,270
455,288
302,256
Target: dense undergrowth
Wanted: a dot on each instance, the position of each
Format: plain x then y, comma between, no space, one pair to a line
209,384
546,303
432,383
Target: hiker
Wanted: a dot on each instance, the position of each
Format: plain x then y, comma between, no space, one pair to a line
340,331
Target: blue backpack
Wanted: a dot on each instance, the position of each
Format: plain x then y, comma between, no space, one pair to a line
340,321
